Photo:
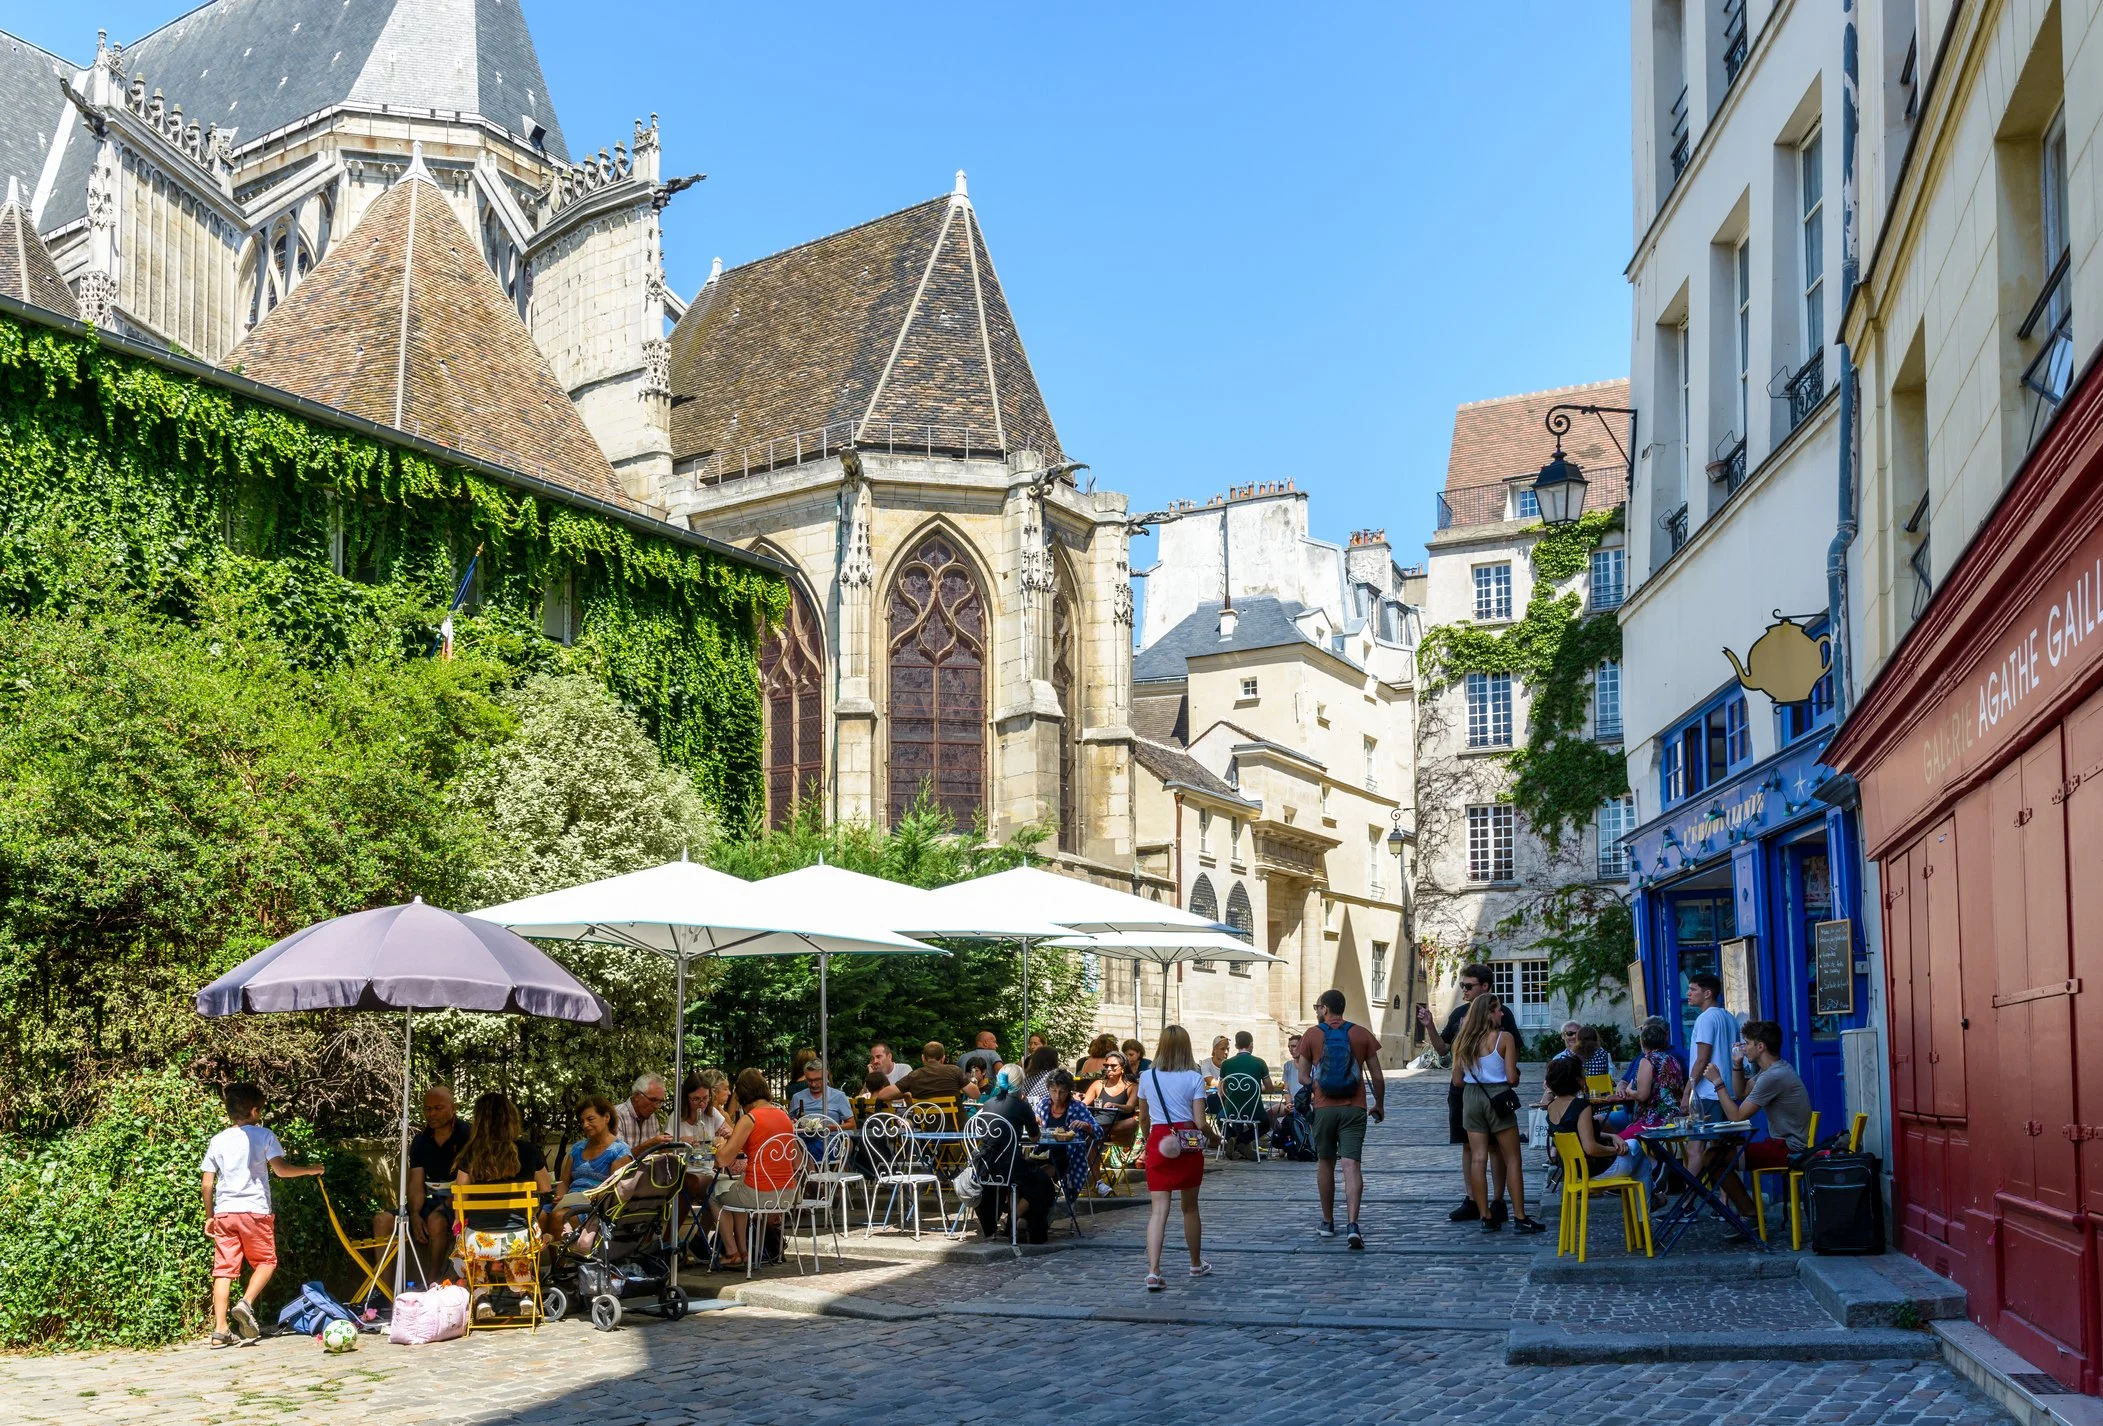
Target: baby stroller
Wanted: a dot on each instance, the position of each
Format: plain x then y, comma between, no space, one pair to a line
618,1253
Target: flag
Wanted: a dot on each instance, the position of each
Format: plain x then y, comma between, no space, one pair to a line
445,627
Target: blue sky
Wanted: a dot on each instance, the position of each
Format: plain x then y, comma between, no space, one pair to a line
1242,242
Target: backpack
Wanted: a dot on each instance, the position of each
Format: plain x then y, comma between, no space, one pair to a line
1337,1073
312,1310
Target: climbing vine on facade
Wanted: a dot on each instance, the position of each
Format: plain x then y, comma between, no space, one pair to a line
122,477
1560,776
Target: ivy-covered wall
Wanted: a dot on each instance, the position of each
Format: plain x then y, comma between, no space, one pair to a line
123,477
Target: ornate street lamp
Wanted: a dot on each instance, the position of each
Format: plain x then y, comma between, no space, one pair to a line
1398,839
1559,489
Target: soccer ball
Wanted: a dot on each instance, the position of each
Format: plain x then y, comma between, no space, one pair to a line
339,1336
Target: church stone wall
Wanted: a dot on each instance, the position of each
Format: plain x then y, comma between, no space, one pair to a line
176,272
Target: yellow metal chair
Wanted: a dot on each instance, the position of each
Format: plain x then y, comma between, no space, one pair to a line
1579,1187
360,1250
1854,1133
1599,1085
1794,1184
500,1259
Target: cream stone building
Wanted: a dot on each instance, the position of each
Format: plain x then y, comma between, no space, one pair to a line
1273,722
1477,860
859,407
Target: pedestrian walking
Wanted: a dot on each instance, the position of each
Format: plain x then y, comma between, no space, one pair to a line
1474,981
1175,1149
1336,1057
1486,1065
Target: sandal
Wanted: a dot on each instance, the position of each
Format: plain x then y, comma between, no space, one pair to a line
1202,1270
1154,1282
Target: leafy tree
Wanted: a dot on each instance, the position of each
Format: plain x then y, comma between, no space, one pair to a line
1588,934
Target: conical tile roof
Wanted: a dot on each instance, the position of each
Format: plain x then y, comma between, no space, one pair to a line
27,272
894,330
403,324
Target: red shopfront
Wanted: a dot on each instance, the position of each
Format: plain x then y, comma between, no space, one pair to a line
1979,750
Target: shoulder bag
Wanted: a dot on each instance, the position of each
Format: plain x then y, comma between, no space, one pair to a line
1181,1136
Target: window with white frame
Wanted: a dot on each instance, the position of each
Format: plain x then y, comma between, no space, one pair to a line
1489,710
1617,819
1609,578
1744,267
1204,833
1491,832
1324,796
1686,405
1248,688
1493,591
1372,764
1522,986
1812,187
1379,970
1606,701
1375,859
1234,839
1525,504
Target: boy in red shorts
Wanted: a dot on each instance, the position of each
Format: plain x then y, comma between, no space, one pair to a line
237,1167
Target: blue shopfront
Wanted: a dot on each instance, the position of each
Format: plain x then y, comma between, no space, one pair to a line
1757,880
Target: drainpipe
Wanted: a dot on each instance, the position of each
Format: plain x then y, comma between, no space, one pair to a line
1849,523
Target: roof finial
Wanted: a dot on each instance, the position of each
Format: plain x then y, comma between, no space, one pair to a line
416,163
715,269
962,193
14,191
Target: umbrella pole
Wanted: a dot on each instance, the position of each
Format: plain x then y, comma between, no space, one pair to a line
824,1027
401,1197
679,1110
1023,1054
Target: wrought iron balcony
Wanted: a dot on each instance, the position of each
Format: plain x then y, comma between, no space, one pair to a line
2051,371
1608,594
1734,41
1682,139
1607,729
1676,528
1805,388
1728,469
1613,863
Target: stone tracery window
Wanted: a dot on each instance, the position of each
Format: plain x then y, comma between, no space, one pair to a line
1065,687
792,685
937,641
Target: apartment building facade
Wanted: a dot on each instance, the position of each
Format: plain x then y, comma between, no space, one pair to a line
1478,862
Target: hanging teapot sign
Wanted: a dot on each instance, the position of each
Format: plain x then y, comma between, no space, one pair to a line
1785,662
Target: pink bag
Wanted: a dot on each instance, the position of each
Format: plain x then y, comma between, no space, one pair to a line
435,1315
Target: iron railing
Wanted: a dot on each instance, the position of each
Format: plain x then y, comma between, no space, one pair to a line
1805,388
1492,504
1608,594
2051,371
1728,469
1607,729
1676,528
1734,40
1613,862
1682,138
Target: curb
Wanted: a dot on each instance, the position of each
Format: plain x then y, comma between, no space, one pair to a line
1873,1292
1545,1346
1689,1267
2009,1380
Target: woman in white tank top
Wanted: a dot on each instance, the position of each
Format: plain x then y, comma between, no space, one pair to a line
1486,1059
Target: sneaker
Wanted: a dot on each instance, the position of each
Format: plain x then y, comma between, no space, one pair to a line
1528,1225
1466,1213
222,1339
242,1318
1491,1225
1327,1230
1500,1211
1354,1239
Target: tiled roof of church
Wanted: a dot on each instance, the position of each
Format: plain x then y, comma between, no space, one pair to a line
27,272
31,106
255,66
470,377
1503,437
882,331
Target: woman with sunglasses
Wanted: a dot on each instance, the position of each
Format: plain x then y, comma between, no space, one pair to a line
1113,1102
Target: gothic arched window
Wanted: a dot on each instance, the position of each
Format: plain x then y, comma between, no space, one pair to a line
792,684
1239,915
937,641
1064,687
1202,900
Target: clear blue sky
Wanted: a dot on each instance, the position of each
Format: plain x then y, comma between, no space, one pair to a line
1242,242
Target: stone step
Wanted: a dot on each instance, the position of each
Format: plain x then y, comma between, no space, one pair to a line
1536,1345
1881,1291
1680,1268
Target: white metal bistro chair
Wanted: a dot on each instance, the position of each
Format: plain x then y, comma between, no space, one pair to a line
826,1185
888,1145
1240,1107
994,1147
783,1163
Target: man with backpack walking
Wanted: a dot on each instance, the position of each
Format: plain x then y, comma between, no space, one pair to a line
1335,1056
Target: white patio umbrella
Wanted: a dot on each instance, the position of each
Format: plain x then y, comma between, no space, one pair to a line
688,911
909,911
1069,902
1164,949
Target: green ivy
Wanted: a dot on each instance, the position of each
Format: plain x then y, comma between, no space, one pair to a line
1560,777
121,474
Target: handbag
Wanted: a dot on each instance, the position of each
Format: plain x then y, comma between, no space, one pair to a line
1180,1137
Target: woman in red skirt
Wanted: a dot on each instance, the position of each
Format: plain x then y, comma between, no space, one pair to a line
1175,1105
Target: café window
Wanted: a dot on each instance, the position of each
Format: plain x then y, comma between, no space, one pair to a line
1705,749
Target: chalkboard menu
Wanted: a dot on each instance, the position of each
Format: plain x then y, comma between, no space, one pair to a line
1833,968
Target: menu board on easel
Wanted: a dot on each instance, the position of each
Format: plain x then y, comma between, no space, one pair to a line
1833,968
1740,994
1635,992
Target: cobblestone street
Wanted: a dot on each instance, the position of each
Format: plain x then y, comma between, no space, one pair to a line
1411,1330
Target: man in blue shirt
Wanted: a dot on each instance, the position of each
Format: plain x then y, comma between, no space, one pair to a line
818,1097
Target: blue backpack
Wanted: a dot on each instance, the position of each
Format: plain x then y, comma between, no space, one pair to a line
1337,1074
314,1309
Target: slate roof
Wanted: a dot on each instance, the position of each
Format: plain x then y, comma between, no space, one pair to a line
1172,764
886,327
1264,623
30,109
1160,717
1504,437
472,379
258,65
27,272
